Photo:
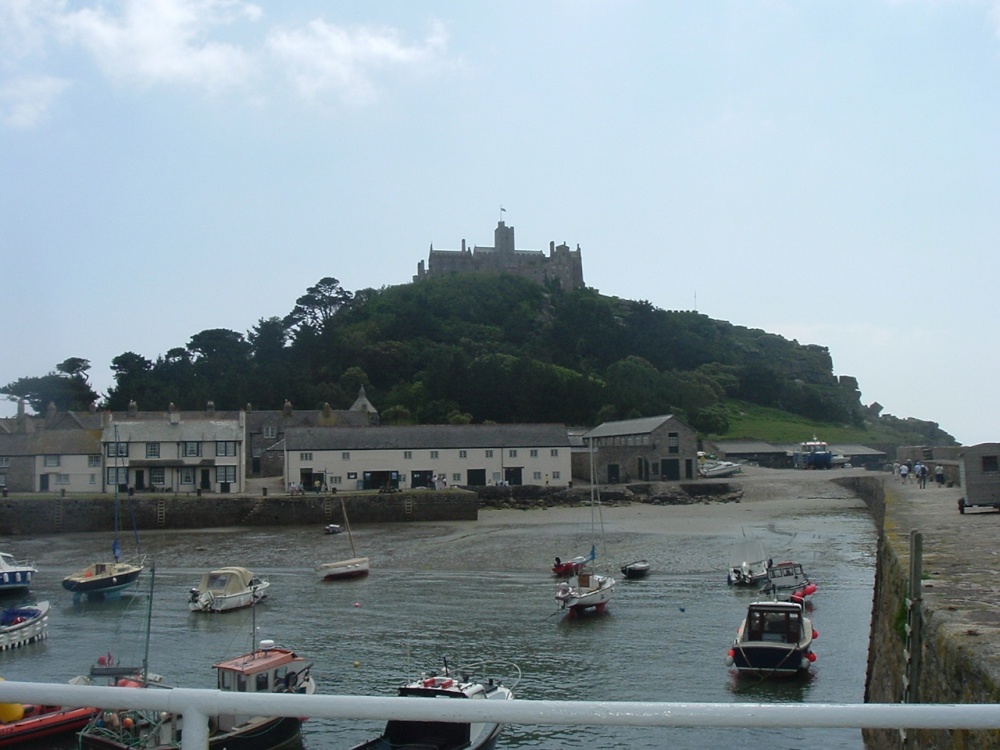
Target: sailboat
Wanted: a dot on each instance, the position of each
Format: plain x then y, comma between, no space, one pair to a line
101,579
586,589
353,567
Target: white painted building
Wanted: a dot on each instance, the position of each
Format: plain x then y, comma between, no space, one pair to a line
427,456
175,454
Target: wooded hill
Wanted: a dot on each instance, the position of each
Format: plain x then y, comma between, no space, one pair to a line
491,348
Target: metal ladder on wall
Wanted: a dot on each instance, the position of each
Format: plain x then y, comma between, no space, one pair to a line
161,513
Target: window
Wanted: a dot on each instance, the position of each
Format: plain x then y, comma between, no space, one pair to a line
62,478
152,450
673,442
5,461
116,449
117,475
190,449
489,454
555,474
93,479
554,452
226,473
434,455
512,453
270,432
187,475
456,477
257,452
225,447
534,452
305,457
335,480
3,480
407,455
345,456
93,462
990,465
537,475
52,460
157,476
463,454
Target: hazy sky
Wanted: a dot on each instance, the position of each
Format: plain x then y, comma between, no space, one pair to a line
827,171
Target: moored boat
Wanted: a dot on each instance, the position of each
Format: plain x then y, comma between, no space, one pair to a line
566,568
269,669
225,589
467,682
20,626
748,563
15,575
332,528
775,638
353,567
787,581
21,723
636,569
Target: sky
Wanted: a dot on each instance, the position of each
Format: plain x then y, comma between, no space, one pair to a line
828,171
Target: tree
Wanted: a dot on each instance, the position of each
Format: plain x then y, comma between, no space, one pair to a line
318,305
68,388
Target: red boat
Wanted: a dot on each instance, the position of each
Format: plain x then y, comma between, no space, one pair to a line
36,722
565,569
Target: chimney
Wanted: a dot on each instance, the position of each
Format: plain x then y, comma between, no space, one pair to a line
210,410
133,408
287,408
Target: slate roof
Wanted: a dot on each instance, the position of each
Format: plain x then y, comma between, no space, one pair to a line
640,426
164,432
427,436
746,446
56,442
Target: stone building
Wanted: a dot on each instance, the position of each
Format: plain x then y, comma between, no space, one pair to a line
659,448
561,264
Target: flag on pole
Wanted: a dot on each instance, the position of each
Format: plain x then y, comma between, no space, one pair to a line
503,210
593,553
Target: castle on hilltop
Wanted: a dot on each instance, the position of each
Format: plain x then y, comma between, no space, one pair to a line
561,264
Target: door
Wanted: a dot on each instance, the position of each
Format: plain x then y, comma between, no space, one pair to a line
206,479
512,475
140,479
476,477
614,473
43,483
421,478
671,469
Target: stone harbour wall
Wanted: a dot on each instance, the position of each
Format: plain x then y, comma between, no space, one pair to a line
959,661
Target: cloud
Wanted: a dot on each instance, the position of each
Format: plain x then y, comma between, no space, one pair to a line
24,102
164,42
323,58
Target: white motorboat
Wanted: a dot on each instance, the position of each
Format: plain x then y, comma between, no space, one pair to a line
718,469
747,563
467,682
775,638
22,625
227,588
15,575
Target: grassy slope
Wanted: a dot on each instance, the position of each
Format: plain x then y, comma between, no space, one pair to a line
749,421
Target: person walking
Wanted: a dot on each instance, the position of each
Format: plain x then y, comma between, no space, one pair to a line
939,475
904,470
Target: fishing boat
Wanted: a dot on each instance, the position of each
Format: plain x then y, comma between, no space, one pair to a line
813,454
467,682
775,638
226,589
20,626
15,575
22,723
636,569
788,581
332,528
267,669
353,567
747,563
718,469
586,589
102,579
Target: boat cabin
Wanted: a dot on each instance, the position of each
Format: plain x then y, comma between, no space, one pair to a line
267,670
776,622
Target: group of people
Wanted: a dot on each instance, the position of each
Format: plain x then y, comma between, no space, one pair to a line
920,471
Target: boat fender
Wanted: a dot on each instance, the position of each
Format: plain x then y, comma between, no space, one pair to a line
804,664
815,634
730,658
812,656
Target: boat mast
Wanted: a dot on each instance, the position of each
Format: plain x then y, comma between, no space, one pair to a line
149,623
347,523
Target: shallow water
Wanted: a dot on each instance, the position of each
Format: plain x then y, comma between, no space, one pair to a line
469,591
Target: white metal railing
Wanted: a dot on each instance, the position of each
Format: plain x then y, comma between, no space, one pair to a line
196,703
